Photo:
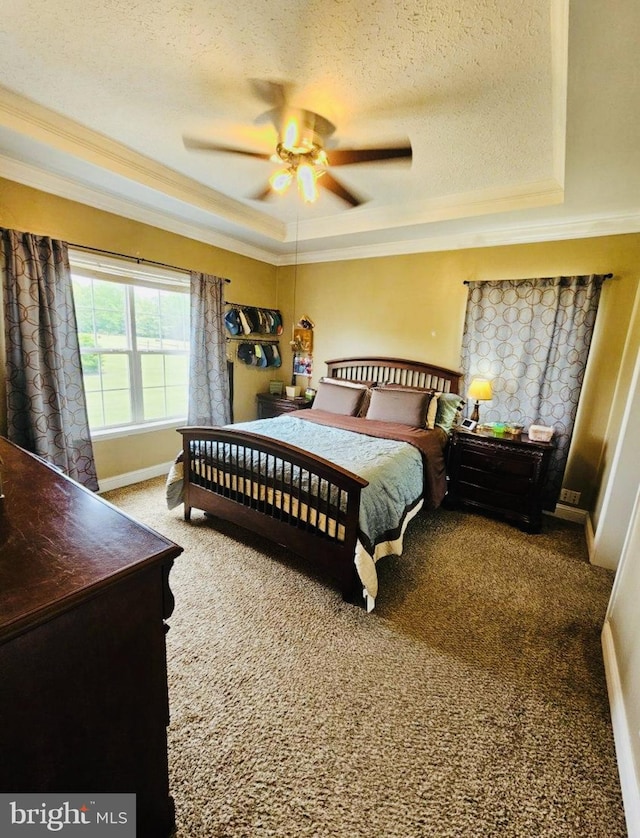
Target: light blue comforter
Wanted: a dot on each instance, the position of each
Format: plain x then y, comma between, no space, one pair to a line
394,469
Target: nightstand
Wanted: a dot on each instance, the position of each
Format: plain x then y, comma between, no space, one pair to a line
270,405
498,474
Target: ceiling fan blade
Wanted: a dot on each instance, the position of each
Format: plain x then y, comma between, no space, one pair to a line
329,182
263,194
272,93
273,115
349,156
203,145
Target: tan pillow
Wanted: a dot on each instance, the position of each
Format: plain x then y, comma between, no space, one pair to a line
406,407
356,385
337,398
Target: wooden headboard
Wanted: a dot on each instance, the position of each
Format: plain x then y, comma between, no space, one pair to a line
395,371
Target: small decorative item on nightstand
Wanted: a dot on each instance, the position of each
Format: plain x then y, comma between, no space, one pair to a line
540,433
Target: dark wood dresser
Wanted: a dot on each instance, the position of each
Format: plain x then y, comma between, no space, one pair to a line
84,596
271,405
499,474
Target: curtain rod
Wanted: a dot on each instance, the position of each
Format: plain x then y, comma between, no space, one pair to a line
248,305
138,259
469,281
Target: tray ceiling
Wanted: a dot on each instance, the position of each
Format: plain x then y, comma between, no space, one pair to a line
505,104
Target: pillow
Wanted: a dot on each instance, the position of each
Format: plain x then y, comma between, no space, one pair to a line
406,407
358,385
338,398
448,410
432,410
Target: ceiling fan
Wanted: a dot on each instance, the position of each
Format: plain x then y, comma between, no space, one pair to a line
301,150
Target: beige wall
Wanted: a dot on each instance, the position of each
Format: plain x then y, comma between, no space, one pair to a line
252,282
403,306
413,307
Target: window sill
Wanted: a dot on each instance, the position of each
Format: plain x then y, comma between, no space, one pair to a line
135,430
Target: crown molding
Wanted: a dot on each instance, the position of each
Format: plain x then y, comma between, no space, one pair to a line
541,193
576,228
64,187
38,123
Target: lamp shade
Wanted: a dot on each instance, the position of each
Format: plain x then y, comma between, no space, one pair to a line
480,390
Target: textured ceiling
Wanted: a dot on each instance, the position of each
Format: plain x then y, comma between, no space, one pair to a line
493,95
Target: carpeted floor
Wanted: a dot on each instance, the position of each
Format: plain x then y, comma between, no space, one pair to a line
471,702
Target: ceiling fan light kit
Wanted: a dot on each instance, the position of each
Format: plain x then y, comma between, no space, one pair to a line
300,148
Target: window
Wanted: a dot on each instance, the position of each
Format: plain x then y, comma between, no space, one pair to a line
133,328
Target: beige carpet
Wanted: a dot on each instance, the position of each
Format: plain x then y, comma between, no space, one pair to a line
471,702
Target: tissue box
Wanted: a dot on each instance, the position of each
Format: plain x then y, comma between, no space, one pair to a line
540,433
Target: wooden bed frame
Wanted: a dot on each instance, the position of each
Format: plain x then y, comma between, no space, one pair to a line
317,502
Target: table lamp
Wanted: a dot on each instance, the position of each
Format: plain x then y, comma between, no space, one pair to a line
480,390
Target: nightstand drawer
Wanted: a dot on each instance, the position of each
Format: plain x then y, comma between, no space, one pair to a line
494,496
496,479
494,462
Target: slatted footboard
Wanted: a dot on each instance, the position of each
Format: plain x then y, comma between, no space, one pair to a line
288,495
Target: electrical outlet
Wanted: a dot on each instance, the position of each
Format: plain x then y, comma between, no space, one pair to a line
570,496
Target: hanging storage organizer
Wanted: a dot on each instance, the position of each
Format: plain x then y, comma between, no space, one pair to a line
244,321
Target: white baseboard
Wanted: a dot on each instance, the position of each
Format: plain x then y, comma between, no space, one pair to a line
120,480
629,781
569,513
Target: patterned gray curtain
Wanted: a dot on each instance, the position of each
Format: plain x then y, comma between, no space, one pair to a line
531,338
46,406
209,396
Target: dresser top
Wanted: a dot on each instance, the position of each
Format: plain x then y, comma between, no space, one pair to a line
60,543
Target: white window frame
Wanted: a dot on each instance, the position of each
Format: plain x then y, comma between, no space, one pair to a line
99,266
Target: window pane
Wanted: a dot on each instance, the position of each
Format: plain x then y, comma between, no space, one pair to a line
115,372
154,405
83,301
177,367
110,306
132,336
94,409
117,408
152,370
164,383
116,389
153,387
174,314
148,335
91,372
177,401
